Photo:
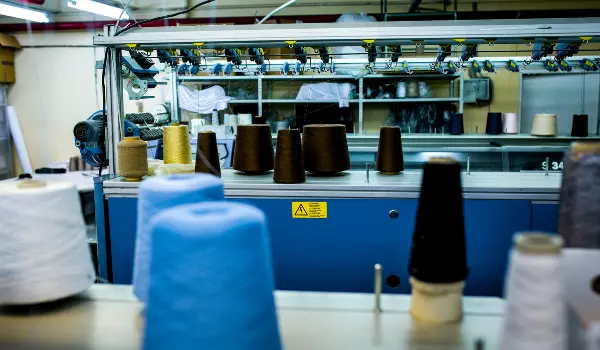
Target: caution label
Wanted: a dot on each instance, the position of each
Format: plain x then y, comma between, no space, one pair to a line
309,210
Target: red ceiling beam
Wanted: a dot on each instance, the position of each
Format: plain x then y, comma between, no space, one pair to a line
57,26
33,2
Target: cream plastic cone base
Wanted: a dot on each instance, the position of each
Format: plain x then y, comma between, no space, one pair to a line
544,125
436,303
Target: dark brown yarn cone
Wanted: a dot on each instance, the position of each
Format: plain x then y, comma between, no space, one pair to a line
325,149
289,160
207,154
253,153
390,159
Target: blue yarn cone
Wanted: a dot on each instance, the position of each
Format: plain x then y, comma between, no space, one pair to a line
156,195
494,124
211,283
457,126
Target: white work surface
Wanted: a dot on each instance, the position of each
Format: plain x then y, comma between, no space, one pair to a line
109,317
83,180
353,184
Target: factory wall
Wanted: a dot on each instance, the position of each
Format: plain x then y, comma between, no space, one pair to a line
57,87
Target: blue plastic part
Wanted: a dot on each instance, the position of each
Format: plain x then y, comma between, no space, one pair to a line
476,66
183,69
565,66
452,67
166,57
590,66
489,66
135,67
297,68
130,128
228,69
217,69
285,68
550,65
564,50
513,66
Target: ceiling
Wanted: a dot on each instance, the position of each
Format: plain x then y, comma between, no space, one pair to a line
233,9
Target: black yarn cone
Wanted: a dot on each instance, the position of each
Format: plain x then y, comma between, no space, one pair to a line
438,253
580,125
457,126
207,154
494,124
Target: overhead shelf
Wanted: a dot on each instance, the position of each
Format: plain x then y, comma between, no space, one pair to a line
424,99
355,34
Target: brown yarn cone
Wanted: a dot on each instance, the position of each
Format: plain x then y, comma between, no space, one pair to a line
390,159
289,160
207,152
253,153
325,149
133,158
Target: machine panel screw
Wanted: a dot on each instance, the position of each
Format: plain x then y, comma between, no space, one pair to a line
393,214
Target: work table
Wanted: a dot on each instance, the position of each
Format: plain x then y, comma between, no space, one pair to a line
110,317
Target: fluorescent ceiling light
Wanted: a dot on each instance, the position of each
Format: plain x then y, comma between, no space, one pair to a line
23,13
98,8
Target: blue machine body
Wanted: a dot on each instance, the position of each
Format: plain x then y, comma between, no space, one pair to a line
337,254
90,140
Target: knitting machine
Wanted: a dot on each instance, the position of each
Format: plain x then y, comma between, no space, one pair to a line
90,134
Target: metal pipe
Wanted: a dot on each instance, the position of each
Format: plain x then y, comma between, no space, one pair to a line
377,307
174,96
468,165
367,168
115,96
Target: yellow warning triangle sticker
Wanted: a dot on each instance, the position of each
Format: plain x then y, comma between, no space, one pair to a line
301,211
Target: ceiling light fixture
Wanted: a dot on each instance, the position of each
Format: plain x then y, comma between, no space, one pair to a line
98,8
23,13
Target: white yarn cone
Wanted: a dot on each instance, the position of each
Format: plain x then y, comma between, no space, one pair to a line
44,254
510,123
535,312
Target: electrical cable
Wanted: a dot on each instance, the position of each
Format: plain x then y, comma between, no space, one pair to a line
125,7
137,24
276,10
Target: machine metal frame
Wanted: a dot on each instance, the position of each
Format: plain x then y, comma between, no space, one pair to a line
333,34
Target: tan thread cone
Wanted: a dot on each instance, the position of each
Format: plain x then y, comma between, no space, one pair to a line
133,158
544,125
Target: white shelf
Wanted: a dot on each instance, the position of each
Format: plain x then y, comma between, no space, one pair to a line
424,99
243,101
305,101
